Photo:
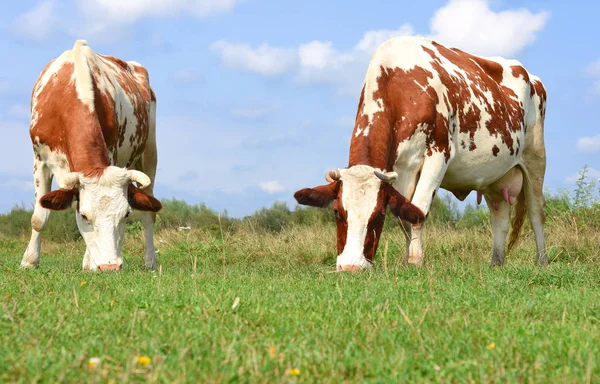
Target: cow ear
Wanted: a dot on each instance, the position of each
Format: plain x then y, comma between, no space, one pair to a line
142,201
320,196
402,208
59,200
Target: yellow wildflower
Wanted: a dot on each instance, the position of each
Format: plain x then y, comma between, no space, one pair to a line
51,292
143,360
272,352
8,295
112,302
294,372
491,346
93,362
82,283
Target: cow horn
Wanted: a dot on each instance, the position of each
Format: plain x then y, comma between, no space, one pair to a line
140,177
69,181
332,176
387,177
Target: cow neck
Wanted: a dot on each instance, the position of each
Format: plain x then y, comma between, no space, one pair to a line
374,149
373,144
372,140
86,150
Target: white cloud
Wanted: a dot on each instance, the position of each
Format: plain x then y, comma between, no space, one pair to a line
593,71
592,174
265,60
589,144
104,20
271,186
373,39
470,25
186,75
127,12
19,111
37,24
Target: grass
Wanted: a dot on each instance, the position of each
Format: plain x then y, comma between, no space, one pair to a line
255,306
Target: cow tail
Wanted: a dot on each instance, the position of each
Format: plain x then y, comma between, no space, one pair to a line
83,75
520,210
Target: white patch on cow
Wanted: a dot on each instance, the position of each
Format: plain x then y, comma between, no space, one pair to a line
359,198
103,201
56,161
81,73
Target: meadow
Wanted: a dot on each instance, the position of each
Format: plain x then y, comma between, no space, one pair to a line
256,300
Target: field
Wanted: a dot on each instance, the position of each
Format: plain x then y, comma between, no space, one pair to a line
237,302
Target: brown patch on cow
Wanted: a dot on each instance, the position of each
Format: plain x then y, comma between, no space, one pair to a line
495,150
491,68
519,71
93,172
538,88
66,125
341,219
374,226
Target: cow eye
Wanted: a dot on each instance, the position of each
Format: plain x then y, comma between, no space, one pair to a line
84,217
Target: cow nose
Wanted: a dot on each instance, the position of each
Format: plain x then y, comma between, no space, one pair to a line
110,267
349,267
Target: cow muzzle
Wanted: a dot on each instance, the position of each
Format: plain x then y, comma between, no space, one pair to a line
354,267
110,267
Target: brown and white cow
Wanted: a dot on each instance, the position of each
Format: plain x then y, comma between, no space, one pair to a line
431,117
93,127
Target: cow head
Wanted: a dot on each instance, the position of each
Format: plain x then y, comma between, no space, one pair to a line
361,194
103,203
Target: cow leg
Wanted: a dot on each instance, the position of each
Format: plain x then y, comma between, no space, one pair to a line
500,224
147,165
87,261
534,198
407,229
148,219
42,181
430,179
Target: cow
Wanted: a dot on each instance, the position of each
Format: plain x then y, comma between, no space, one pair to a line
429,117
93,128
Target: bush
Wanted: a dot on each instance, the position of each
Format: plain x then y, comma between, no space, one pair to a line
61,227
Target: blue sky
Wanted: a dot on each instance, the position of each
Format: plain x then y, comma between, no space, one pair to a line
256,98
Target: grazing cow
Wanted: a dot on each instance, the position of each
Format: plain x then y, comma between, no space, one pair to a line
93,127
431,117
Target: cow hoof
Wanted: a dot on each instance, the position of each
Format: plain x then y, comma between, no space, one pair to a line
28,265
